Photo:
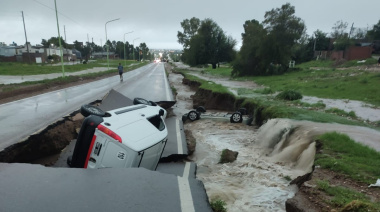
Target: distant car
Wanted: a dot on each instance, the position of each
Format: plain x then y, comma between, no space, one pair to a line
133,136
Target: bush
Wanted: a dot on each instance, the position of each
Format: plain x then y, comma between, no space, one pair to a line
218,205
289,95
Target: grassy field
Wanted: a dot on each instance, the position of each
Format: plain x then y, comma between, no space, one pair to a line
326,82
68,79
343,155
208,85
20,69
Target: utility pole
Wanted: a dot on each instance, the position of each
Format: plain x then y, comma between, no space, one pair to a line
352,28
64,30
26,38
59,39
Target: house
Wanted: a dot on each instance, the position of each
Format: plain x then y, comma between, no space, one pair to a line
33,54
359,51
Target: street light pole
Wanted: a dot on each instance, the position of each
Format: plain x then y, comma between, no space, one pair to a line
134,48
108,63
125,61
59,39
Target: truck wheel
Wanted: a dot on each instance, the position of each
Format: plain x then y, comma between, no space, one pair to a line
184,117
137,101
87,110
201,109
243,111
236,118
193,115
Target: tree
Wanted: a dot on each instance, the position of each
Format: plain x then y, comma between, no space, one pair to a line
144,51
374,33
339,30
284,29
190,28
341,37
322,42
267,48
249,59
208,44
55,41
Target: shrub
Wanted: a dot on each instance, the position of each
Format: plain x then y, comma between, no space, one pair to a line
218,205
289,95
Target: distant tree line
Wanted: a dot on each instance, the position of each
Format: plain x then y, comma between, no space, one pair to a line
267,47
140,52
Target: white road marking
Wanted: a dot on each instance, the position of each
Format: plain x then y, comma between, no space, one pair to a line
185,197
186,171
167,86
179,138
152,71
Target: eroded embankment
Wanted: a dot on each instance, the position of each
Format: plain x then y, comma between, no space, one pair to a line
227,102
44,143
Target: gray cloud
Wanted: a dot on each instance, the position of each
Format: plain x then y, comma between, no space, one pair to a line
157,22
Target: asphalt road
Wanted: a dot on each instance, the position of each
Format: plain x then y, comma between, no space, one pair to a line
21,118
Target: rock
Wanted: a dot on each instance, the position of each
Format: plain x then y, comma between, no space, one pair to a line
301,179
228,156
299,204
191,142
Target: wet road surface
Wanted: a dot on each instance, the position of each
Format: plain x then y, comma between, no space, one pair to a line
21,118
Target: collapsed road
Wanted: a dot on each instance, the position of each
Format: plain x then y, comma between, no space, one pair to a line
27,187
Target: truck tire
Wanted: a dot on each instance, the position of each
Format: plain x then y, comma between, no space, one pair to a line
193,115
137,101
243,111
87,110
236,118
201,109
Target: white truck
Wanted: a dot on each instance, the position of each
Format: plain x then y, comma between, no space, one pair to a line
133,136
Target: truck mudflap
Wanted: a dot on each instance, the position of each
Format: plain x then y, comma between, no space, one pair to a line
84,141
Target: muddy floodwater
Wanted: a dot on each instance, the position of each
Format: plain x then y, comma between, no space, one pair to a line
252,182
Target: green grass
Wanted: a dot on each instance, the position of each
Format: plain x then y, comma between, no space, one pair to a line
66,79
218,205
20,69
340,112
289,95
316,63
351,63
224,71
342,154
339,84
318,105
271,108
264,91
207,85
344,197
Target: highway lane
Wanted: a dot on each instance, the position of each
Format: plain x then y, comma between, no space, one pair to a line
21,118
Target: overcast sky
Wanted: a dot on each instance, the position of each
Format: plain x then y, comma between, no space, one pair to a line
156,22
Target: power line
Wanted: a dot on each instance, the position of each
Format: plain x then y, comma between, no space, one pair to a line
64,16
